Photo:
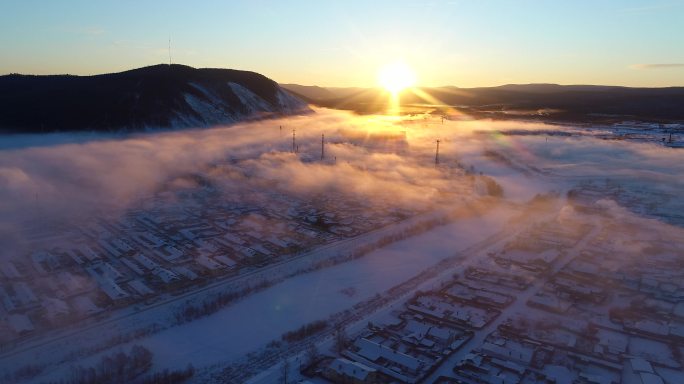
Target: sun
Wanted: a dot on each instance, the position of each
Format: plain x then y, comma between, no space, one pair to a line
396,76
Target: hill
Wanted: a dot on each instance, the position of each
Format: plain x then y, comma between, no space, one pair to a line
544,101
159,96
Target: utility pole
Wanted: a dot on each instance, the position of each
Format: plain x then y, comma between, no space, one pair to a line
322,146
294,148
169,50
437,153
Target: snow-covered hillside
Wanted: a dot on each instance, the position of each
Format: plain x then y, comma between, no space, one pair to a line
208,107
160,96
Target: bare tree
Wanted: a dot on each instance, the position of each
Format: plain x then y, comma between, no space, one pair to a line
340,338
311,354
284,371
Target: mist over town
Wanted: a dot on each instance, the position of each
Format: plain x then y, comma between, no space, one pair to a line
169,214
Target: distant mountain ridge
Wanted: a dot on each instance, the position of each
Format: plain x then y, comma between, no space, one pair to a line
159,96
565,102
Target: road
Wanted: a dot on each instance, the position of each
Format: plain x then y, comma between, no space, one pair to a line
517,307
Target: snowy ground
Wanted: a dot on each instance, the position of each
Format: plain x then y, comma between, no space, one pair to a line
251,323
517,186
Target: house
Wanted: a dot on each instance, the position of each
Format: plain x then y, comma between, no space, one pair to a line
111,289
44,262
392,362
140,287
342,370
55,309
640,365
10,270
20,324
509,350
85,306
165,275
650,378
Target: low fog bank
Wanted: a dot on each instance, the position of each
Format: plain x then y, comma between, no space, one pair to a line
47,181
44,186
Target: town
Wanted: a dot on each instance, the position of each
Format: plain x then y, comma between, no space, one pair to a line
581,298
177,241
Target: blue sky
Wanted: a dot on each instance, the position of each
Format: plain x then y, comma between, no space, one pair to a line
342,43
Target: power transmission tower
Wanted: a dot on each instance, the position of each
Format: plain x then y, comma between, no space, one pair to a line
322,146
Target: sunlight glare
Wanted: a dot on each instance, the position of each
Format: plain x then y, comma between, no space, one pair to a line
396,76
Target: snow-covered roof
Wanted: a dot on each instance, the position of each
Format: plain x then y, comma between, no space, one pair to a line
440,333
640,365
614,340
10,270
559,373
225,260
679,309
677,329
351,368
373,351
650,378
20,323
55,307
140,287
417,327
511,350
651,326
85,305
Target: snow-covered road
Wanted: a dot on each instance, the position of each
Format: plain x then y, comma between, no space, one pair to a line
266,315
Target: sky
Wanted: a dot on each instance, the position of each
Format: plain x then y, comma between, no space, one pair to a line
343,43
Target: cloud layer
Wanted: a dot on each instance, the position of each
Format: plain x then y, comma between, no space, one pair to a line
657,66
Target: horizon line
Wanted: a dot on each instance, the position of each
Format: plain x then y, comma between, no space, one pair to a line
346,86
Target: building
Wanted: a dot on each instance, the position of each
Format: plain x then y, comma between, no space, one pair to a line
342,370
